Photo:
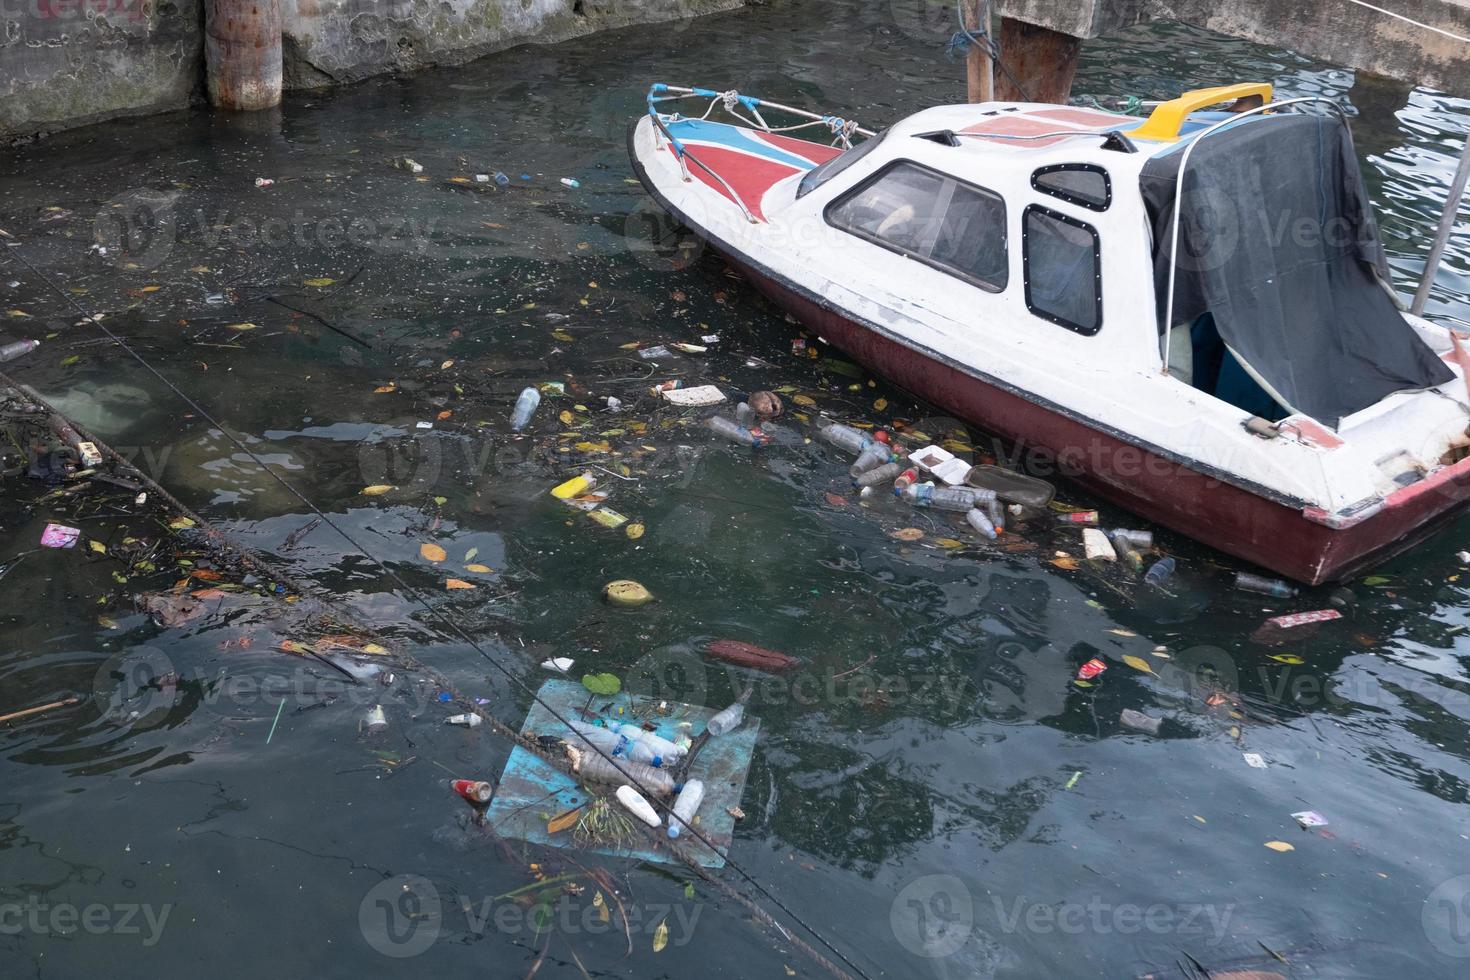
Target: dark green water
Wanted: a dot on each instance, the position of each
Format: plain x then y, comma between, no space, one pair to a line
931,794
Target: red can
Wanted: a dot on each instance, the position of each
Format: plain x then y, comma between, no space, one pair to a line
905,479
473,791
1088,517
1091,669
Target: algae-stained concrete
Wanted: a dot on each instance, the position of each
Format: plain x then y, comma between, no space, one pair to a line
1336,31
67,63
335,41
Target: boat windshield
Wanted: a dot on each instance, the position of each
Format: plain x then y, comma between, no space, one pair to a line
824,172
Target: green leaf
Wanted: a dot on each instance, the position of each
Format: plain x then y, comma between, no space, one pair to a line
69,361
688,889
1375,580
604,684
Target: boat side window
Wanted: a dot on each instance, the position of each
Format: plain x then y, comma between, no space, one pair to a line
823,172
1063,263
931,217
1084,184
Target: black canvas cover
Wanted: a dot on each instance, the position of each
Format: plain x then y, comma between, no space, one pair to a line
1279,243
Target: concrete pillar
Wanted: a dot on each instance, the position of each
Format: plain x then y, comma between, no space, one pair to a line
242,53
1042,60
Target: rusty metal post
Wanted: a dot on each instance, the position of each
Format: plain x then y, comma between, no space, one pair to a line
242,51
979,72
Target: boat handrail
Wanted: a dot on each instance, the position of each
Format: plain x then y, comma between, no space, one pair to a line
1166,335
842,129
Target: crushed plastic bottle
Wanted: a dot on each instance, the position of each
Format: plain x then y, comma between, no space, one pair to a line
685,806
736,432
981,522
1161,574
594,767
874,454
846,437
501,179
878,475
526,405
1247,582
957,499
727,720
13,350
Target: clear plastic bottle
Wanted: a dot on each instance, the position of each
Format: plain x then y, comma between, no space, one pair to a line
981,522
655,741
616,743
727,720
13,350
1247,582
594,767
745,415
958,499
736,432
526,406
881,474
874,454
846,437
1127,552
685,806
1161,574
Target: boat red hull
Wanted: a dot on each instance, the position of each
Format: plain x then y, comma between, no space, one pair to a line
1248,525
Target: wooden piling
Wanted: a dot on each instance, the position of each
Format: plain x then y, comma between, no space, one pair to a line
979,71
1042,60
242,50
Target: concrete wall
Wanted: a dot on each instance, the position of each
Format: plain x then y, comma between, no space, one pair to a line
1335,31
66,63
69,62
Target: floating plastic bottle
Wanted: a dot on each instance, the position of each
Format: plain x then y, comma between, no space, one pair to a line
1142,540
1247,582
736,432
659,744
745,415
957,499
475,791
727,720
846,437
526,406
501,179
466,720
599,770
615,743
1127,552
685,806
375,720
981,522
1087,518
879,475
996,511
570,182
873,455
1161,574
13,350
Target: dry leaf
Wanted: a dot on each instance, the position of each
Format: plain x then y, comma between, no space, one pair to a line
1066,563
806,400
318,282
567,418
880,404
456,583
563,820
481,569
432,552
179,523
907,534
949,543
376,490
661,936
97,546
241,326
836,499
1280,846
385,389
1138,663
634,531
